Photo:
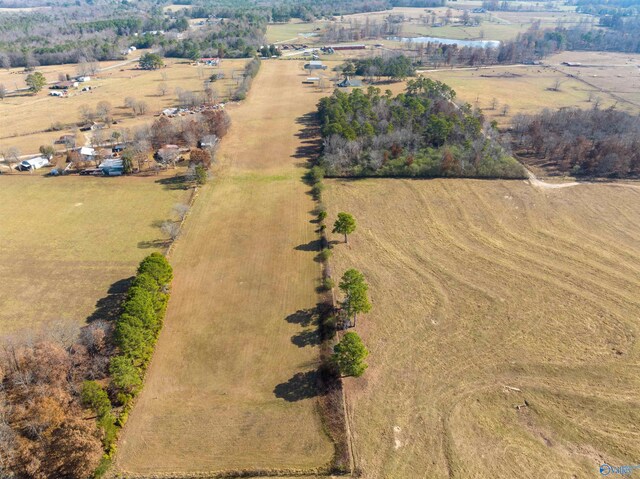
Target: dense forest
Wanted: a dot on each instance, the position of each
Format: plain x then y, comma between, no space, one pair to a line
418,133
602,143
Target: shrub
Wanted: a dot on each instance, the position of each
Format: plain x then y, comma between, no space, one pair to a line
322,215
325,254
95,397
328,284
317,190
157,266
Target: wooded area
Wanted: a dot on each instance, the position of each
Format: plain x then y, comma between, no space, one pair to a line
421,132
582,142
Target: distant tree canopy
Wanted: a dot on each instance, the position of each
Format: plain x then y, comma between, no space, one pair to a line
151,61
592,142
417,133
397,67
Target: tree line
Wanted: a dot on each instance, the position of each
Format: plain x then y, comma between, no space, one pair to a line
420,133
65,395
600,143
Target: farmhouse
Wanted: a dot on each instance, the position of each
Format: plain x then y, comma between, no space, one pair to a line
87,154
315,65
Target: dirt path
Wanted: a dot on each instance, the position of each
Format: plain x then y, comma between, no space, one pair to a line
232,385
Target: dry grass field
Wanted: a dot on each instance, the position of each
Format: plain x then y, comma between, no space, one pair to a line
504,333
614,73
24,118
231,385
525,89
66,241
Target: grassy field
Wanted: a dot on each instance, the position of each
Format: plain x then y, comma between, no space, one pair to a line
231,385
66,241
279,32
614,73
504,329
25,117
525,89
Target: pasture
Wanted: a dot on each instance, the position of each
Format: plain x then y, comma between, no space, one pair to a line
503,334
525,89
26,118
232,383
68,242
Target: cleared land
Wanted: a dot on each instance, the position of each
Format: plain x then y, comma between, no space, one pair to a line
504,329
69,242
614,74
24,118
525,89
231,385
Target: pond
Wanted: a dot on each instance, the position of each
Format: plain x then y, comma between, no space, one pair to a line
449,41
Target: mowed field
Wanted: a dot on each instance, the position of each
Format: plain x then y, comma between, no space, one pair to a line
69,242
504,330
232,382
24,118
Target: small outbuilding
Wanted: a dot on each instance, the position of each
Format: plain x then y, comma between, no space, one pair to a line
112,167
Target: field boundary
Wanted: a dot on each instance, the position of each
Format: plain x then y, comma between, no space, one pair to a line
231,474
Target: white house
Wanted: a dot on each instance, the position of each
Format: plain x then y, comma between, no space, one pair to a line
88,154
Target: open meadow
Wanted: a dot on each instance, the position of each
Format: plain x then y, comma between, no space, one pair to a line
497,25
523,89
232,383
68,242
25,118
503,337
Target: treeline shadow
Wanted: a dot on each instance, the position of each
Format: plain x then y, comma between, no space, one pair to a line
309,134
108,308
178,182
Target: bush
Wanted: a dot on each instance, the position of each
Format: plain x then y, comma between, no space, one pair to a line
325,254
322,215
95,397
315,175
328,284
317,190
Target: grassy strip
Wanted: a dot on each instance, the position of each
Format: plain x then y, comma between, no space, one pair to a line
331,403
250,71
136,333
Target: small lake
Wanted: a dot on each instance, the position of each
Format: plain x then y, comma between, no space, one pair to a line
448,41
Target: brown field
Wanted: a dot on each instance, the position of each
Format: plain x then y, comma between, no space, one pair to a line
231,383
525,89
615,74
66,241
25,117
488,295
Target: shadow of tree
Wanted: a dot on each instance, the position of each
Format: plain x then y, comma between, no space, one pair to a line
310,246
178,182
300,386
311,144
303,317
158,243
309,337
108,308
